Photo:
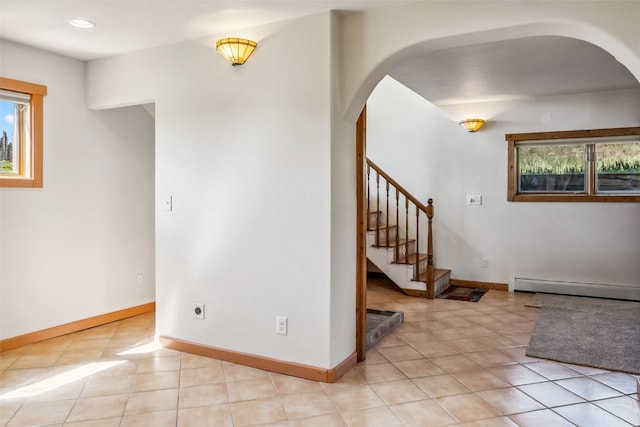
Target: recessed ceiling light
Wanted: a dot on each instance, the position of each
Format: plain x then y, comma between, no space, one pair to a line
82,23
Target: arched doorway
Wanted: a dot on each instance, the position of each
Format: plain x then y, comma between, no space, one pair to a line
369,83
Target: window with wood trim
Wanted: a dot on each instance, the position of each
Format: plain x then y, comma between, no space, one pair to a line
599,165
21,117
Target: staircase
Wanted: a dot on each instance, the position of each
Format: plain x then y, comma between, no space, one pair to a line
399,238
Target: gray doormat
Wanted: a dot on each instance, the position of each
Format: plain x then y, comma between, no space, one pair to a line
594,332
381,323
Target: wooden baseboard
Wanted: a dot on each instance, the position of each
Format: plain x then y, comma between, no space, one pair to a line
474,284
91,322
273,365
336,373
415,293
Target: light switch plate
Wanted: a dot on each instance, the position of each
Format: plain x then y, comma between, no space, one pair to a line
167,203
474,200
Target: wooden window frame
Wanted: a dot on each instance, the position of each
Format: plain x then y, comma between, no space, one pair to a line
590,196
34,178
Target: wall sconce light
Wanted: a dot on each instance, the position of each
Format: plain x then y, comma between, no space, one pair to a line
235,50
472,125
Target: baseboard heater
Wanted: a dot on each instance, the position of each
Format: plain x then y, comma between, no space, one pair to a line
575,288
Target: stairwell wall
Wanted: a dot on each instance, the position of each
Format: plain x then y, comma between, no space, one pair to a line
425,150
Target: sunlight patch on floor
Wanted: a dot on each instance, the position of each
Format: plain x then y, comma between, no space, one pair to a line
149,347
60,380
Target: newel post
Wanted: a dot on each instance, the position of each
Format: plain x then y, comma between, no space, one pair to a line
430,273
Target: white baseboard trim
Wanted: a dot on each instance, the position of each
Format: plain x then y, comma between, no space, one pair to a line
576,288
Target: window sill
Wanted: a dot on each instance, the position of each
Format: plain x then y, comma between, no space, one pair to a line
20,182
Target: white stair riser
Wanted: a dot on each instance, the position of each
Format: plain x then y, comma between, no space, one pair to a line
384,257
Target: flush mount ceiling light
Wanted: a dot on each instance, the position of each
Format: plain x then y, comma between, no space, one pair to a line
235,50
81,23
472,125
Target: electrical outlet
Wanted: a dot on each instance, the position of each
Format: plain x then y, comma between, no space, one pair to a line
281,325
198,310
139,279
485,262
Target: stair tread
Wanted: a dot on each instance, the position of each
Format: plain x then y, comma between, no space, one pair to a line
438,273
411,259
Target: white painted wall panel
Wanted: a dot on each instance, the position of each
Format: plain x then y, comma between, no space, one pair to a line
246,154
72,249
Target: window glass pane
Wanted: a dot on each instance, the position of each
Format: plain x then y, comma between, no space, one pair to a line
9,136
618,167
552,168
21,133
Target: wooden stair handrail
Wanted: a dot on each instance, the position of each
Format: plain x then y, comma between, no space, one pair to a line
426,209
393,182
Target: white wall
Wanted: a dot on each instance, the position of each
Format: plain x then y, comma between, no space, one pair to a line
343,214
72,249
247,155
425,150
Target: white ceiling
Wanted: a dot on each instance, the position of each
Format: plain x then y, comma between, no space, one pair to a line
130,25
506,70
532,66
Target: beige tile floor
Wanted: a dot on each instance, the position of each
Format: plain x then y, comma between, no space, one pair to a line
450,364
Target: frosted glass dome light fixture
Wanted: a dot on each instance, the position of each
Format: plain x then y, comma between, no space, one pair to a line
472,125
235,50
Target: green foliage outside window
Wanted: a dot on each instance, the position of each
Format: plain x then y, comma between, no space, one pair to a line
551,160
6,154
618,158
569,159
